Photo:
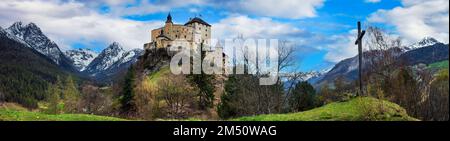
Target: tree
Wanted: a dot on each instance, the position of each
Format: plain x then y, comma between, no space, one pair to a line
126,100
244,96
226,109
326,95
303,97
178,95
2,97
70,95
53,100
146,101
206,89
94,101
204,82
436,107
402,89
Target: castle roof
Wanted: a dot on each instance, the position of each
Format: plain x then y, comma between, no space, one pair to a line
169,18
197,20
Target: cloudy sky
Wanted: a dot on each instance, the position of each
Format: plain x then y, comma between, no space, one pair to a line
323,30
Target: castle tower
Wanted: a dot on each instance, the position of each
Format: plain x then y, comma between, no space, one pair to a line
169,19
168,26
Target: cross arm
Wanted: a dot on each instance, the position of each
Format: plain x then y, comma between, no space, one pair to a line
360,37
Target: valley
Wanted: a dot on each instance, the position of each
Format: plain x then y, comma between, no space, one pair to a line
41,82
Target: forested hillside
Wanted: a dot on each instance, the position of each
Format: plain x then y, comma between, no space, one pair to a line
25,74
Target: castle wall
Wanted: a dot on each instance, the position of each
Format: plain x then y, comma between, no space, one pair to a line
204,31
193,33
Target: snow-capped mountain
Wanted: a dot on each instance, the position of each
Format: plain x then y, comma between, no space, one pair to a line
313,74
112,60
81,57
427,41
129,56
109,62
30,35
34,38
3,32
106,58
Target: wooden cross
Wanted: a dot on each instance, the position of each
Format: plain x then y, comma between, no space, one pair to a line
360,55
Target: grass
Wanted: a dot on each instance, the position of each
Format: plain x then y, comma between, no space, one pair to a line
358,109
439,65
155,77
12,112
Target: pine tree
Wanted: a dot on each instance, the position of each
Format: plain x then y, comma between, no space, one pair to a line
303,97
204,83
70,95
126,100
225,109
53,100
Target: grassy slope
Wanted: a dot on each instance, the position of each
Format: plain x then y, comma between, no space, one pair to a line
155,77
12,112
439,65
354,110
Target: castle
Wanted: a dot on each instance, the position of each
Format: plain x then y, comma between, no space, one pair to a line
192,34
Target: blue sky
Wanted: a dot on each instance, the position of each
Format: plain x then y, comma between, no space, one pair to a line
322,30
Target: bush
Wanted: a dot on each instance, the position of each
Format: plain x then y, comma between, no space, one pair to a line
303,97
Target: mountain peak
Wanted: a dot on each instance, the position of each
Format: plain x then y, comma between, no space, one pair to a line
17,24
16,29
33,37
33,26
81,57
115,43
426,41
112,58
115,46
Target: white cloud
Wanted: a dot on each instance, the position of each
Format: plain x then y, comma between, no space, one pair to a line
372,1
417,19
264,28
73,22
134,7
343,47
292,9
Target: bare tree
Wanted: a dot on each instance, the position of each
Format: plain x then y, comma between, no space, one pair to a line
178,95
383,50
286,56
434,103
423,94
93,101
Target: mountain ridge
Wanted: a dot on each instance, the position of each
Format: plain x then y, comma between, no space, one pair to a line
32,36
110,61
428,50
